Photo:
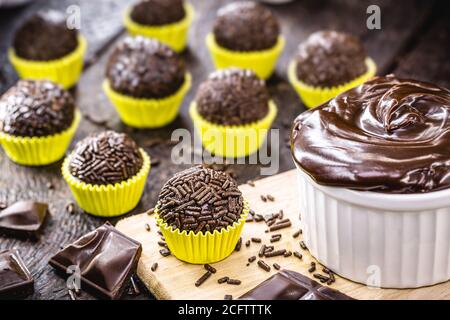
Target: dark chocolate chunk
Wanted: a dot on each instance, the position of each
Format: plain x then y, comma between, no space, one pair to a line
15,279
233,97
106,257
200,199
291,285
34,108
145,68
23,218
399,126
246,26
106,158
330,58
45,36
158,12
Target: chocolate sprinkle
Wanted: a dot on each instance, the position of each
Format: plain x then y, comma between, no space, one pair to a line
203,278
106,158
154,266
200,200
223,280
36,109
263,265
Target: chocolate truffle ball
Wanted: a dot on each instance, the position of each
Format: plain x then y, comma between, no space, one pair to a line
45,36
36,109
145,68
233,97
246,26
158,12
200,199
330,58
106,158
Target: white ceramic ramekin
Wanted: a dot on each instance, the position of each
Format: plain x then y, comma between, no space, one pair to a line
378,239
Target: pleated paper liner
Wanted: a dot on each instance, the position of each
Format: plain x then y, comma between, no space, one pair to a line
201,248
315,96
147,113
65,71
174,34
261,62
108,200
232,141
39,151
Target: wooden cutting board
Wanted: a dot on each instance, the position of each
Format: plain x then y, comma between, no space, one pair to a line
175,279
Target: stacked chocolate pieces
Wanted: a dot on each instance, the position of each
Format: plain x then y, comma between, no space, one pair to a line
106,259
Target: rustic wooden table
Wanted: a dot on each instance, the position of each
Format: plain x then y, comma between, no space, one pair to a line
414,42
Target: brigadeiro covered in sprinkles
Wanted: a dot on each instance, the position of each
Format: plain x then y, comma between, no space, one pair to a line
145,68
246,26
200,199
158,12
330,58
232,97
36,109
45,36
105,158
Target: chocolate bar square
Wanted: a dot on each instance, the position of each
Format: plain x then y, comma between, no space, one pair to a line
23,218
106,259
291,285
15,279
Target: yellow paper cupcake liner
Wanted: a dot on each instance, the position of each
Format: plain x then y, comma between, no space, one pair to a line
39,151
147,113
232,141
174,34
314,96
201,248
65,71
261,62
108,200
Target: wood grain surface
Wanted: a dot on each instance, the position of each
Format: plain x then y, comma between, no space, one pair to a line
414,41
175,279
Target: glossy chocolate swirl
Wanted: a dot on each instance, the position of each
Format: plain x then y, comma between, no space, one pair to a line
389,134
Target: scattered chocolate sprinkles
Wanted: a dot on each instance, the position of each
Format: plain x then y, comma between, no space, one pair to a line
252,258
280,225
247,243
256,240
203,278
297,233
263,265
105,158
270,198
238,245
147,227
234,281
164,252
154,266
228,297
298,255
312,268
223,280
275,253
263,198
276,266
262,250
200,200
210,268
303,245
